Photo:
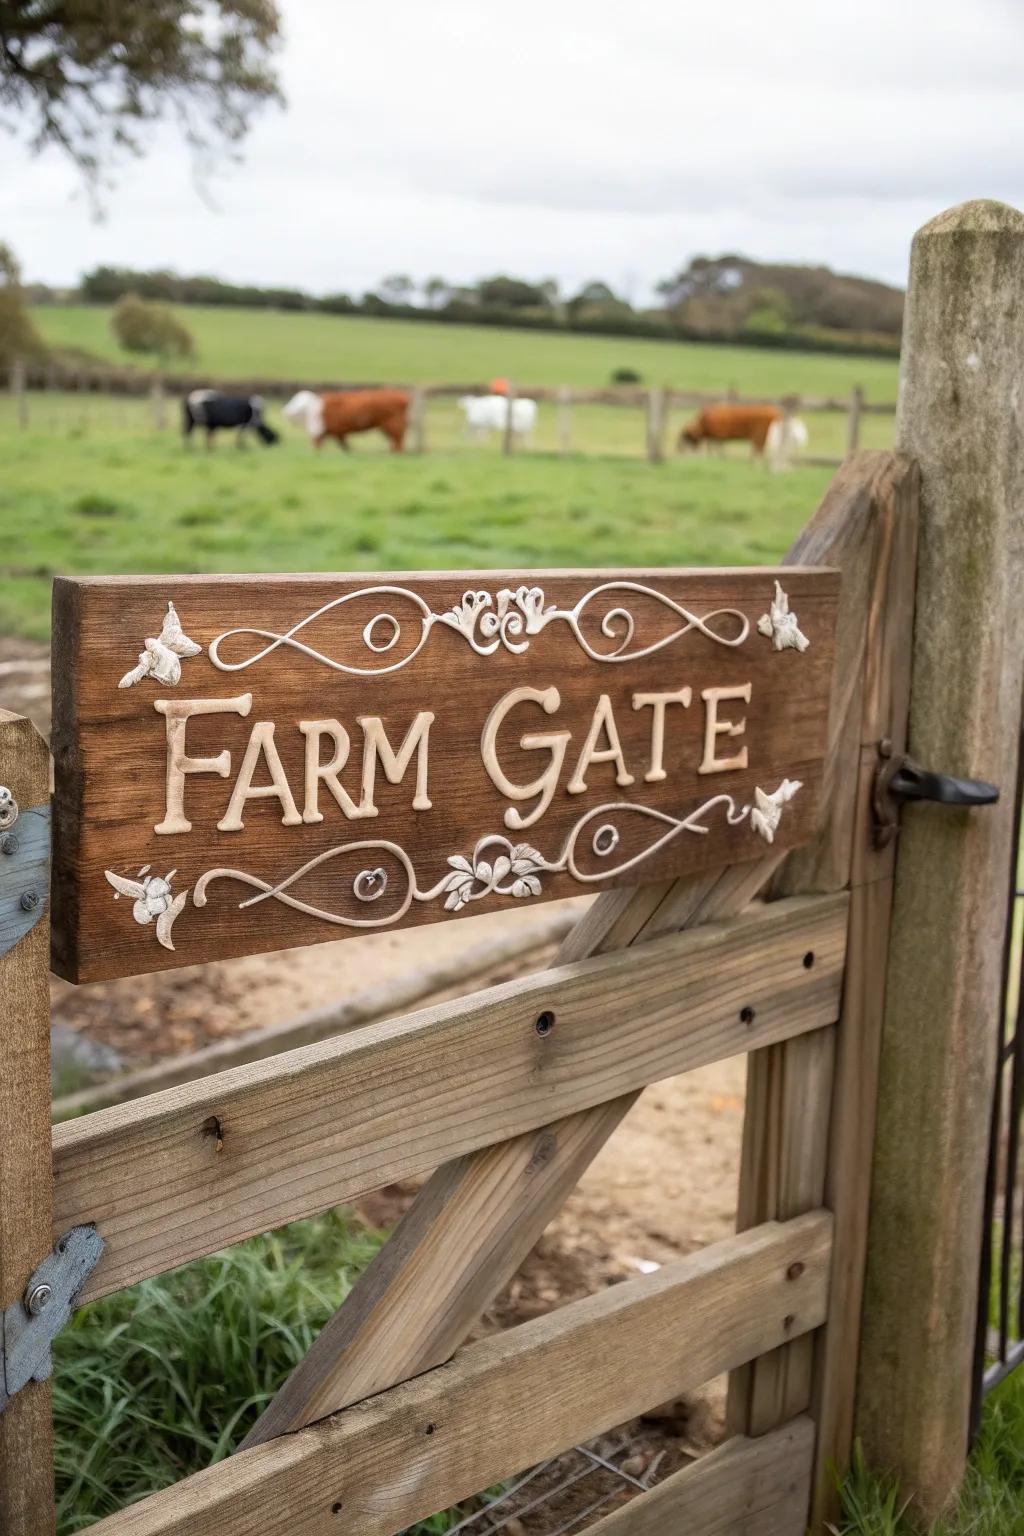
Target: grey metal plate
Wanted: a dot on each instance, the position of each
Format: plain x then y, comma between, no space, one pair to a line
24,874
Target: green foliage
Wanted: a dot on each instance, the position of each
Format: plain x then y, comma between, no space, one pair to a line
19,338
161,1380
87,76
142,326
718,296
992,1501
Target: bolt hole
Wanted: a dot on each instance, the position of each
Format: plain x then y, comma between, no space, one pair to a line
545,1022
795,1270
212,1128
788,1321
430,1429
336,1507
809,960
747,1015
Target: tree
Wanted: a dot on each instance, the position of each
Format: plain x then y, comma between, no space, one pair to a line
19,339
397,289
88,75
510,293
437,292
142,326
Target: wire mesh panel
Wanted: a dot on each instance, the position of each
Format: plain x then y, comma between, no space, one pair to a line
1000,1337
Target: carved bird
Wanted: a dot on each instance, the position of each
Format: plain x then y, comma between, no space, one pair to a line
153,898
780,626
767,809
160,659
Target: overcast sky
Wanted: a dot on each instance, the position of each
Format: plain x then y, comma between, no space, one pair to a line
570,138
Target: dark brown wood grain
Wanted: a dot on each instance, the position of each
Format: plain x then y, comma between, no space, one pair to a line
111,744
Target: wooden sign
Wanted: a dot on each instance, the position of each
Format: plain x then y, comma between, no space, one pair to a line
250,763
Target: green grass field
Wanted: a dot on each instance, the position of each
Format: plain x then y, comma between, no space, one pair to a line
90,487
268,343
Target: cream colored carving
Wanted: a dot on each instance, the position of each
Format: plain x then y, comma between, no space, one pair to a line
153,898
714,727
658,703
261,744
509,620
603,720
161,658
767,809
780,626
178,712
556,742
327,773
499,867
376,745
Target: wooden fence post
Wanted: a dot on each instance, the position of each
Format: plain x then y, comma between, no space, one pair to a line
564,419
853,419
417,420
655,425
18,391
26,1174
960,378
509,436
159,400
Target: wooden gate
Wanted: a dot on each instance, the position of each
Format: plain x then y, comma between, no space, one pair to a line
501,1098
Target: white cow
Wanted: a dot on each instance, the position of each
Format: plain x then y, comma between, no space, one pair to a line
786,442
489,413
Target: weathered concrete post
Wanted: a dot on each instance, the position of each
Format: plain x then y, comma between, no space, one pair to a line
961,414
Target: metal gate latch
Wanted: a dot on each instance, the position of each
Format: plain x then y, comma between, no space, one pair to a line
28,1327
899,779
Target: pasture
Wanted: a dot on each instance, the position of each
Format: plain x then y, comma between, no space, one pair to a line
239,343
90,486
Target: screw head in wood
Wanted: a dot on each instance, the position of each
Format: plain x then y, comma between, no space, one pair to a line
8,808
29,901
38,1298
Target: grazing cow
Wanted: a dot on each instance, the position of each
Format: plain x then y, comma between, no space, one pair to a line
358,410
729,424
489,413
210,409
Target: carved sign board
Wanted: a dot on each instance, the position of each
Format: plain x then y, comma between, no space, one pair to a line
250,763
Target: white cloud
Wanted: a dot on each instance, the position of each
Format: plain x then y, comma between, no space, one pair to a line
570,137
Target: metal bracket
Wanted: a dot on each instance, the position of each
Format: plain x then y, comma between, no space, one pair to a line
900,779
24,868
28,1327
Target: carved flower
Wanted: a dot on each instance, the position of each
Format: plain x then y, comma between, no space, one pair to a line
160,659
469,881
767,809
780,626
153,898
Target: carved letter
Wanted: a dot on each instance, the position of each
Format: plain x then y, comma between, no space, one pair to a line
313,730
177,713
261,739
612,753
658,702
556,743
376,744
713,728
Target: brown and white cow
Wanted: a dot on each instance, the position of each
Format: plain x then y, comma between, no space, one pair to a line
339,414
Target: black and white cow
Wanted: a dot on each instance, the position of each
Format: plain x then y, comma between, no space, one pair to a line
210,409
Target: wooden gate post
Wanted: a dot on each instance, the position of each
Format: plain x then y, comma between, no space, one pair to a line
19,393
417,414
564,422
960,415
26,1170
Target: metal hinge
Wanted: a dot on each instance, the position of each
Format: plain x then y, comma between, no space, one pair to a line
28,1327
24,868
900,779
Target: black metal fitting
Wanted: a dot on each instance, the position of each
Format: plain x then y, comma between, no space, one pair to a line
900,778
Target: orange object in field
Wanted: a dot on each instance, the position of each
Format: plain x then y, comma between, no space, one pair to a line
498,386
731,423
